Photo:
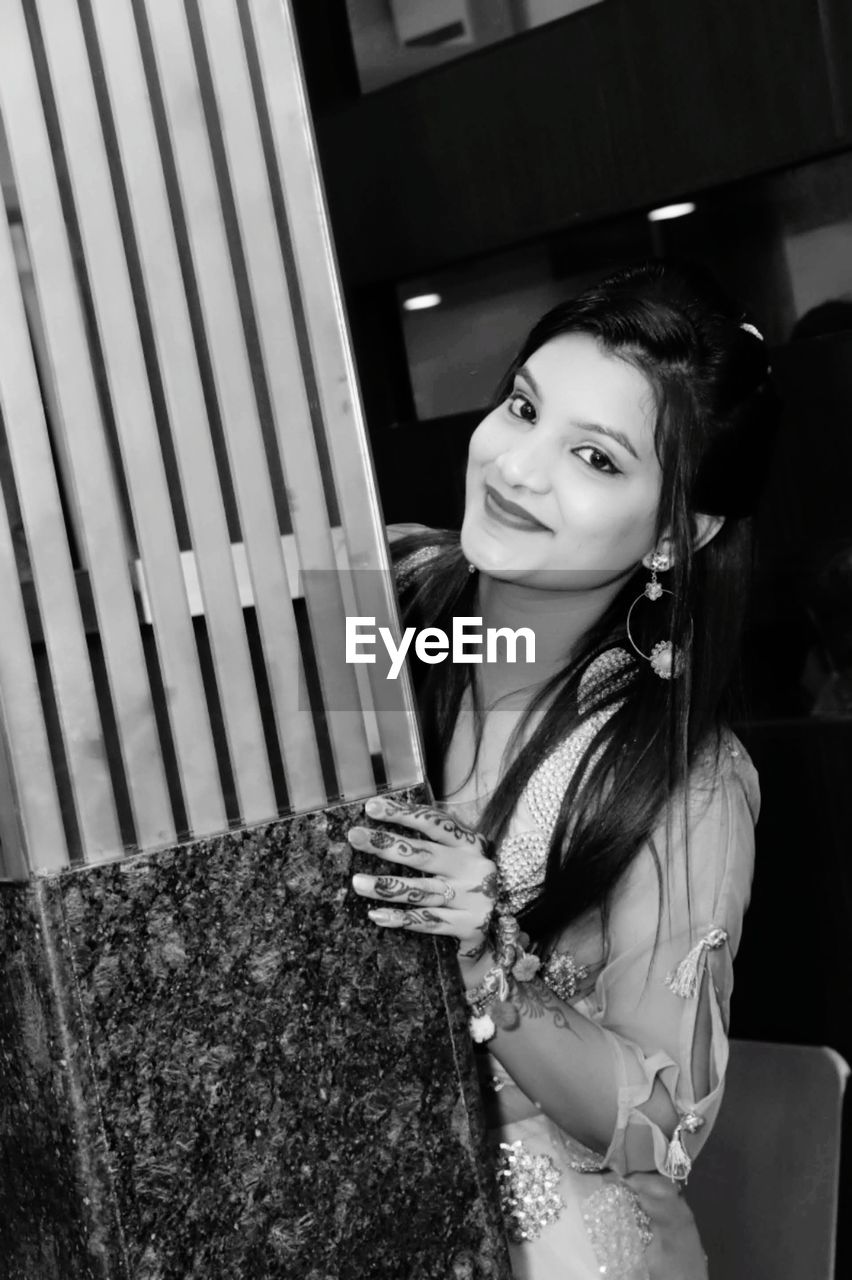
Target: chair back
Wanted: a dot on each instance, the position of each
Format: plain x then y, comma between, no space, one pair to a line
764,1190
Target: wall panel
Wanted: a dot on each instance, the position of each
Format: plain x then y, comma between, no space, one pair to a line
621,106
185,444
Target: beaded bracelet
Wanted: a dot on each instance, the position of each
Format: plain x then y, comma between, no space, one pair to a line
491,1000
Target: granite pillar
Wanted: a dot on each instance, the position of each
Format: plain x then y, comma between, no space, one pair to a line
213,1065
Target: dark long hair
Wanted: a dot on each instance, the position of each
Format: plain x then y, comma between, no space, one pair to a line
715,416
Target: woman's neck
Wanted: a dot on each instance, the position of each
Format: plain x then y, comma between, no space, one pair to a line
558,619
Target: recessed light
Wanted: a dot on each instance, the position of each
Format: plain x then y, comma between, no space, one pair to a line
422,302
667,211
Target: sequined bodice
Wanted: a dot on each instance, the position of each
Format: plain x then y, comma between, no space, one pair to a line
523,853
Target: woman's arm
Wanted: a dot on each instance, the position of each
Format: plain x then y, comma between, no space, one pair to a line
649,1056
559,1058
564,1062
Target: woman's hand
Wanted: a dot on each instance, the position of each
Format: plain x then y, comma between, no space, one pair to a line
457,890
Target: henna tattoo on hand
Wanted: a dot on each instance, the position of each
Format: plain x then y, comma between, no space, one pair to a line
391,806
389,887
393,887
406,850
382,839
490,885
419,895
439,819
476,952
421,916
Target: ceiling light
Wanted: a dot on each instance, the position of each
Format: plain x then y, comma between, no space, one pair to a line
667,211
422,302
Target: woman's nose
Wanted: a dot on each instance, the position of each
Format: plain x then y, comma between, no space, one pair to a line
525,466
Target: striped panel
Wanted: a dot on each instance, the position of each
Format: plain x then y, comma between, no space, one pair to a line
270,39
57,324
236,393
50,558
282,369
184,442
186,408
127,378
32,818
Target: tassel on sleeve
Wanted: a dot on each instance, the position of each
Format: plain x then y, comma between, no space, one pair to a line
683,980
678,1164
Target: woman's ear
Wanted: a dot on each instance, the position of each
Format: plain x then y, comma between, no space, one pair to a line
706,528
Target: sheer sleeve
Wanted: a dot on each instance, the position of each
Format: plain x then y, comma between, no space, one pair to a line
397,531
663,996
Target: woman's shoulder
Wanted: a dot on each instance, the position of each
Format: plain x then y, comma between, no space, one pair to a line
701,854
721,767
712,866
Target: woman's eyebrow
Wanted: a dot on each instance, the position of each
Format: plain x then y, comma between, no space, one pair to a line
524,373
618,436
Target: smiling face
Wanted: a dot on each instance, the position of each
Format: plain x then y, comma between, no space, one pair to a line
563,480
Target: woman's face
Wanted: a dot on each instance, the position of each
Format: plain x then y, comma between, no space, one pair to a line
563,481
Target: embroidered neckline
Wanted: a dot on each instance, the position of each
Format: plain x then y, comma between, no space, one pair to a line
523,854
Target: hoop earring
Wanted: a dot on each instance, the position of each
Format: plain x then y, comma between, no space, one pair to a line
665,658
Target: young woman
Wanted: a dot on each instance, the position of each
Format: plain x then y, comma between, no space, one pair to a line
594,853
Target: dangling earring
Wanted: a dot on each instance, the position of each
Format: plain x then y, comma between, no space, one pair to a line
664,657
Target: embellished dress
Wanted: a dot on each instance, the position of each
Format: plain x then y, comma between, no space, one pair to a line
664,1011
659,989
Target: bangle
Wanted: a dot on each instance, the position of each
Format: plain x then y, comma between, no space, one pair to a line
491,1000
494,987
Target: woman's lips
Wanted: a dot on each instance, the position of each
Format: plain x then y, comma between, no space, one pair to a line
510,514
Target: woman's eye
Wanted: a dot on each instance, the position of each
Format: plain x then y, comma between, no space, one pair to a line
597,459
520,406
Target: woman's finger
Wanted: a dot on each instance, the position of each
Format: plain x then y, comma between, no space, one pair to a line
432,823
473,871
413,919
395,889
384,844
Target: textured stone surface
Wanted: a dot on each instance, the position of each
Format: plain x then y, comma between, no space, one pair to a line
281,1088
47,1229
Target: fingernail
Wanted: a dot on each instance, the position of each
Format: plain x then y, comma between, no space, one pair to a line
358,833
361,882
382,916
374,807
